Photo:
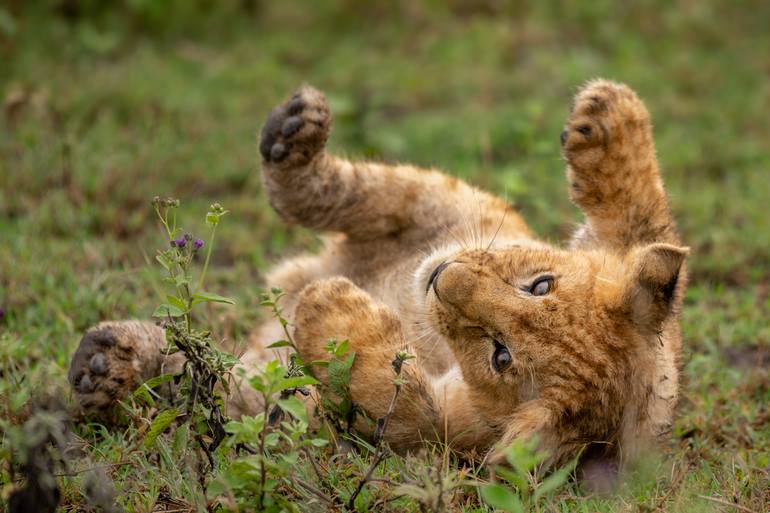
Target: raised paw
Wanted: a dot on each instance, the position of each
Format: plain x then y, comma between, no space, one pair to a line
607,127
112,359
296,130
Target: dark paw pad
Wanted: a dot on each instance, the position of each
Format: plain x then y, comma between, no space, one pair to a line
291,126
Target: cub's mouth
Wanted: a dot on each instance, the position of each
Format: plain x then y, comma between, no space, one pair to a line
434,275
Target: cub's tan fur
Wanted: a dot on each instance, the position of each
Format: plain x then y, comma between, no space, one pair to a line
514,338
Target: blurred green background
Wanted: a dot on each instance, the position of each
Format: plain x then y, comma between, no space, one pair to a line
107,104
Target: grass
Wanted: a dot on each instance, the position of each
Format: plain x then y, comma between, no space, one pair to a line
104,108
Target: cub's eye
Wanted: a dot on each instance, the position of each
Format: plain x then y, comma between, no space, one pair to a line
541,286
585,130
501,359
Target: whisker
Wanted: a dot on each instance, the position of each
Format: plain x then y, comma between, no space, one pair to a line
502,220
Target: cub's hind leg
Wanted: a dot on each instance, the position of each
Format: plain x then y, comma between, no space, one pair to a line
113,358
613,171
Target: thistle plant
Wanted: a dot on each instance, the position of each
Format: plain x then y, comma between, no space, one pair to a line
205,367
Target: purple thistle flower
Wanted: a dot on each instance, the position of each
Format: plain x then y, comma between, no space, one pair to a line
2,312
181,242
198,244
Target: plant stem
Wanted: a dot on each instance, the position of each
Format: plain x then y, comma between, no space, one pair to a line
379,434
208,257
262,469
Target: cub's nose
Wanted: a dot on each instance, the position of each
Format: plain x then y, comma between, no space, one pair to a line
434,275
563,137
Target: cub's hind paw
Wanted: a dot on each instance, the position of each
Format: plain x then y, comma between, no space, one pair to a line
112,360
607,127
296,131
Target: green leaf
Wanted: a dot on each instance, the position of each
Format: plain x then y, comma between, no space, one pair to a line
166,310
228,360
280,343
342,348
512,476
143,391
158,380
210,297
159,424
143,394
552,482
181,436
339,375
177,302
500,497
296,381
295,407
164,260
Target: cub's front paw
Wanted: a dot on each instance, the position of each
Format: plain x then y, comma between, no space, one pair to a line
608,127
296,131
112,360
336,309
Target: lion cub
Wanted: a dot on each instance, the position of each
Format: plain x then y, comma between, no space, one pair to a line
514,338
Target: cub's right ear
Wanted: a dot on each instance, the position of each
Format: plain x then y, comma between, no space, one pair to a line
655,274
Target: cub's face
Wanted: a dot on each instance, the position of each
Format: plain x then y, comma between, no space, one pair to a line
529,320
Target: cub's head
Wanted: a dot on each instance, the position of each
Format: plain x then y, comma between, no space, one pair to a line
529,321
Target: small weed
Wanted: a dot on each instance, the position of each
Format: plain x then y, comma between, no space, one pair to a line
205,366
519,489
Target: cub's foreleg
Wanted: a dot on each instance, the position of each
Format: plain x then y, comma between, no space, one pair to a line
613,171
366,200
335,309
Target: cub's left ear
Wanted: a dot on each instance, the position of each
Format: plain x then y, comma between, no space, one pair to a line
655,273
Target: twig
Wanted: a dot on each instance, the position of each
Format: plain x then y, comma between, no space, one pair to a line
382,426
726,503
377,459
333,497
315,491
